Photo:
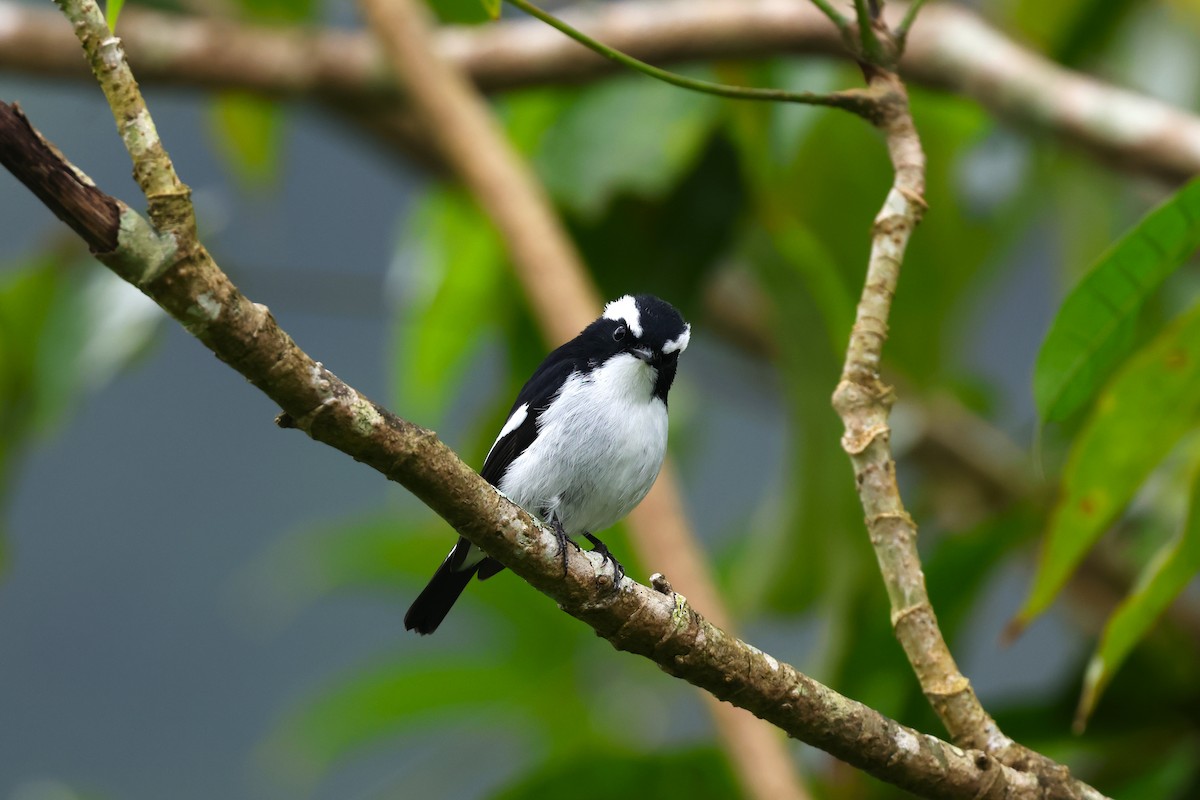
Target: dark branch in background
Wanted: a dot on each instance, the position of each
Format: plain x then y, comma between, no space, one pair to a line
656,623
951,49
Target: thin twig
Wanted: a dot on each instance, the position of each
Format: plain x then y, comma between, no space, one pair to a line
851,100
910,16
872,49
839,21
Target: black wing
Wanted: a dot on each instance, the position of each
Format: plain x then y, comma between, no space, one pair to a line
537,392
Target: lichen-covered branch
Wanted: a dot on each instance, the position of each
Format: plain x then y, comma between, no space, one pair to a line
952,48
656,623
168,198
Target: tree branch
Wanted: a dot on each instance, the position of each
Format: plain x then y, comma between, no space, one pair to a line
656,623
951,49
863,402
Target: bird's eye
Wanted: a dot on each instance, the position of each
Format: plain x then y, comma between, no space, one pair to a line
619,333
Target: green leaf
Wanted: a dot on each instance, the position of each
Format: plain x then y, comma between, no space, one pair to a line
1094,327
1139,417
27,297
1162,580
248,131
465,12
454,264
63,332
112,10
626,135
701,774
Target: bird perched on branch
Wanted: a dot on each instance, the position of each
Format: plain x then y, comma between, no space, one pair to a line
583,443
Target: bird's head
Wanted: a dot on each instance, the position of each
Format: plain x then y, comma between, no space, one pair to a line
647,328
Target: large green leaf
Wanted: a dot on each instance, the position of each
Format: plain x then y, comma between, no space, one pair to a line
1139,417
629,134
453,263
1094,327
1167,574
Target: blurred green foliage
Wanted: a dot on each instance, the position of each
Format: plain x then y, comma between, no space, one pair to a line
67,327
1141,416
704,201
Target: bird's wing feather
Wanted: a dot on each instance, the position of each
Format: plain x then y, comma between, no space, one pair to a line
533,399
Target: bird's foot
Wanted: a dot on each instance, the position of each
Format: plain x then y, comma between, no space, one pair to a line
601,548
560,534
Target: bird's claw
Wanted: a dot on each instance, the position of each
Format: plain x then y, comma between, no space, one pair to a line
618,570
560,535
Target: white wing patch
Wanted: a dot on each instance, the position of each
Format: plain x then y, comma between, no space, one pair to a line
514,421
679,343
625,309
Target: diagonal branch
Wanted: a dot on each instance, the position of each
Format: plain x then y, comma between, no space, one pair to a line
656,623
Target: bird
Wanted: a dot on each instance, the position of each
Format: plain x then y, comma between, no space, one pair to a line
583,443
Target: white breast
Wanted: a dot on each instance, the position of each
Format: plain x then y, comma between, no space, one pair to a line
599,448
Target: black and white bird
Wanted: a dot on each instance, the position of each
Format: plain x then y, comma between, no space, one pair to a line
584,440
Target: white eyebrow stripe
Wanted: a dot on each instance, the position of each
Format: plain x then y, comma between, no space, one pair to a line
679,343
514,421
625,309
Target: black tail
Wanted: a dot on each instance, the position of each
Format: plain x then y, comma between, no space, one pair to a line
434,602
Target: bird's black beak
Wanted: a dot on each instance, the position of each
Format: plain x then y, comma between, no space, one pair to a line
643,353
